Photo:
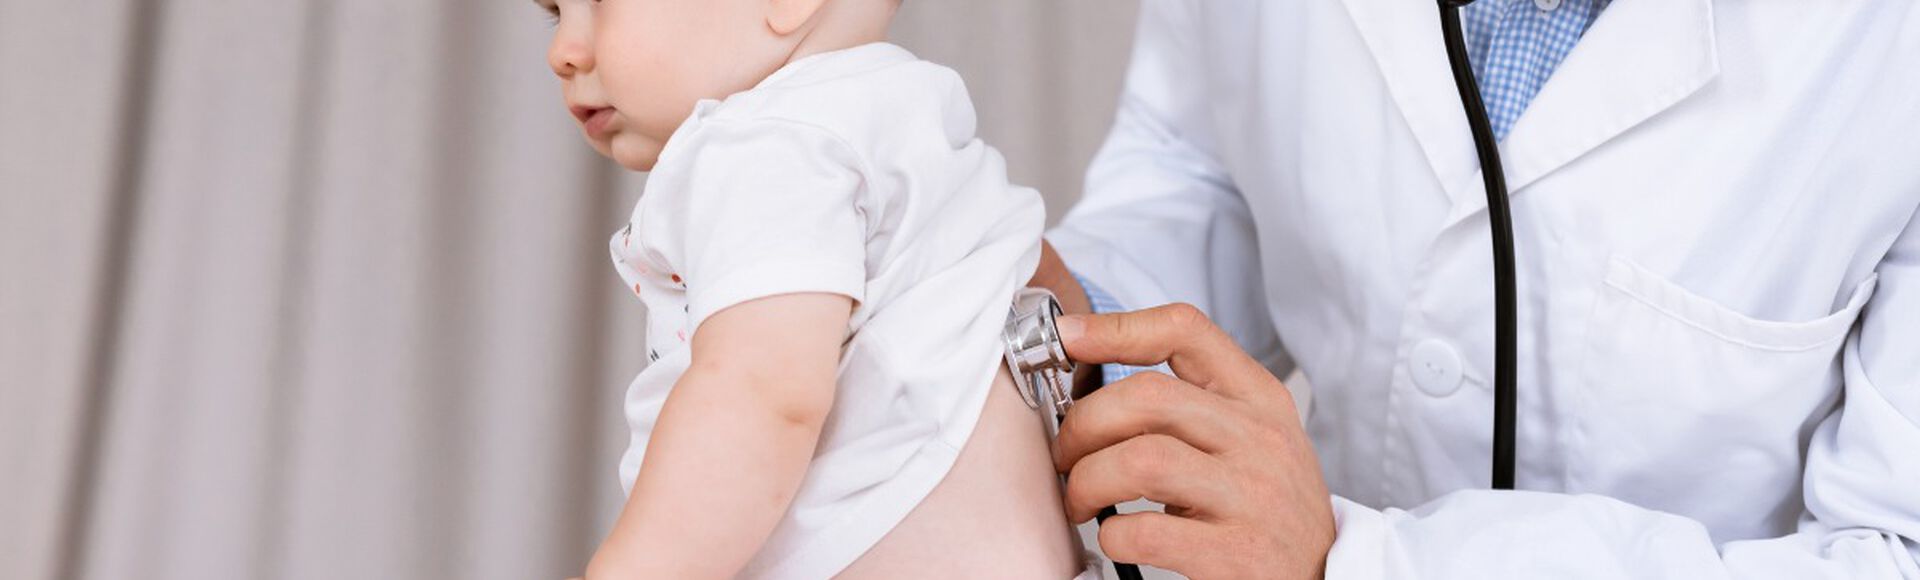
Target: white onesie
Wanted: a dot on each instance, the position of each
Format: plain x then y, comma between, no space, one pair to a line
854,172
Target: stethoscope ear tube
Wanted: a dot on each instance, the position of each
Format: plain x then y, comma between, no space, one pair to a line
1500,217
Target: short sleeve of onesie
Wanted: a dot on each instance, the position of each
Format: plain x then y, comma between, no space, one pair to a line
772,207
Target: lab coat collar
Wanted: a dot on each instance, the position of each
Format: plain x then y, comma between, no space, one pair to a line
1640,58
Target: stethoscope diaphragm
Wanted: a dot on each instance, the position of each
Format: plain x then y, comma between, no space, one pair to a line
1041,370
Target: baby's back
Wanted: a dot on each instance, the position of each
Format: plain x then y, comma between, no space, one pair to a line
996,515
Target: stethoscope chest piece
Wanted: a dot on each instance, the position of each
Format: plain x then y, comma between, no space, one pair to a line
1043,373
1041,370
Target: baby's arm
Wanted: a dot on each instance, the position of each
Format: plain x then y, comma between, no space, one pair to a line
732,442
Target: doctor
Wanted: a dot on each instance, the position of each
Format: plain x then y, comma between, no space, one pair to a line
1714,205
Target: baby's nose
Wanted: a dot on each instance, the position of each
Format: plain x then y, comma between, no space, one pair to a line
569,55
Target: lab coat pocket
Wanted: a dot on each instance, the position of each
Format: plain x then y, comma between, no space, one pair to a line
1690,406
1629,281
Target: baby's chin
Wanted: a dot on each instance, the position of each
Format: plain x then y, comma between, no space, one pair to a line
632,151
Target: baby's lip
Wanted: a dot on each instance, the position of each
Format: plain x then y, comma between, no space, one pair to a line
595,121
583,113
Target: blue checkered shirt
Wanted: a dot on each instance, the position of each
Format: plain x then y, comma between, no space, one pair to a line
1514,46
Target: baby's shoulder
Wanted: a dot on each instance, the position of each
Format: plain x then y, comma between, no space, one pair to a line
889,107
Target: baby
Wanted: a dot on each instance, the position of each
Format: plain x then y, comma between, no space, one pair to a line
827,255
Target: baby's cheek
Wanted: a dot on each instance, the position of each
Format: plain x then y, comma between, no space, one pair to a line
649,92
628,63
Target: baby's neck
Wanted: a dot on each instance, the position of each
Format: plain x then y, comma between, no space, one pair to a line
843,24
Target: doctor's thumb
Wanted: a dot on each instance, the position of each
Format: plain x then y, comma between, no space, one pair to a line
1071,327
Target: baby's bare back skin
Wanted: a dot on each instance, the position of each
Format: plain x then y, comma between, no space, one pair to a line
996,515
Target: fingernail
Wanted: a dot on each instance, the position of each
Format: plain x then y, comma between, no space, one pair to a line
1071,328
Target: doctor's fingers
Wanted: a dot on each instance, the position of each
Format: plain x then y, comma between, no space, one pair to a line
1190,547
1177,334
1155,467
1148,402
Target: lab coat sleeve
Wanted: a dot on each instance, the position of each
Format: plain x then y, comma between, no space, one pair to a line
1160,221
1861,489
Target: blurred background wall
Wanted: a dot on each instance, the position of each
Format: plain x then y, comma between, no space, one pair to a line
319,288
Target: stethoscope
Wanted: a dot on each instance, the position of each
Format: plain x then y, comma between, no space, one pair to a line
1043,372
1506,322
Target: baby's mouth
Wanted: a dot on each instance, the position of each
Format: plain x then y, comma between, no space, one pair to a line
594,120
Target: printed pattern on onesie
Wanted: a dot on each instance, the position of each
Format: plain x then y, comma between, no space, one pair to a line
652,279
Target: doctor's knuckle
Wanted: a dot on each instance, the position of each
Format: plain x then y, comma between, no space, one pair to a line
1153,389
1258,427
1237,487
1149,458
1186,318
1124,333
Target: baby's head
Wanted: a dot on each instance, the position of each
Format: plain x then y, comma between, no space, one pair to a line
632,70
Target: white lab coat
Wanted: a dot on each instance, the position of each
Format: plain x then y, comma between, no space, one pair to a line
1714,205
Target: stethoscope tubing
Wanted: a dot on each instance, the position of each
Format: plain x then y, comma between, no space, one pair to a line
1500,218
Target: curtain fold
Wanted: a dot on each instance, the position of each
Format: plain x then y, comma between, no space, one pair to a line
64,157
319,288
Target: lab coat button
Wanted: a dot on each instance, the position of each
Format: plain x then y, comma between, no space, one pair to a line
1547,5
1435,367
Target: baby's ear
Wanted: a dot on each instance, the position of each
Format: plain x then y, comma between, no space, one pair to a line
787,16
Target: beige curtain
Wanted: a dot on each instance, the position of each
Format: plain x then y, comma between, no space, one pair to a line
318,288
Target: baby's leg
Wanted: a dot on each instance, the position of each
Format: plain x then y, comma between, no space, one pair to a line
996,515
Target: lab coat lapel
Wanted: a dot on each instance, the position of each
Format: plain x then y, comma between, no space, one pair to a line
1641,57
1403,37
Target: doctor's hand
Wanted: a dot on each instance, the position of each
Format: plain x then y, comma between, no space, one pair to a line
1221,446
